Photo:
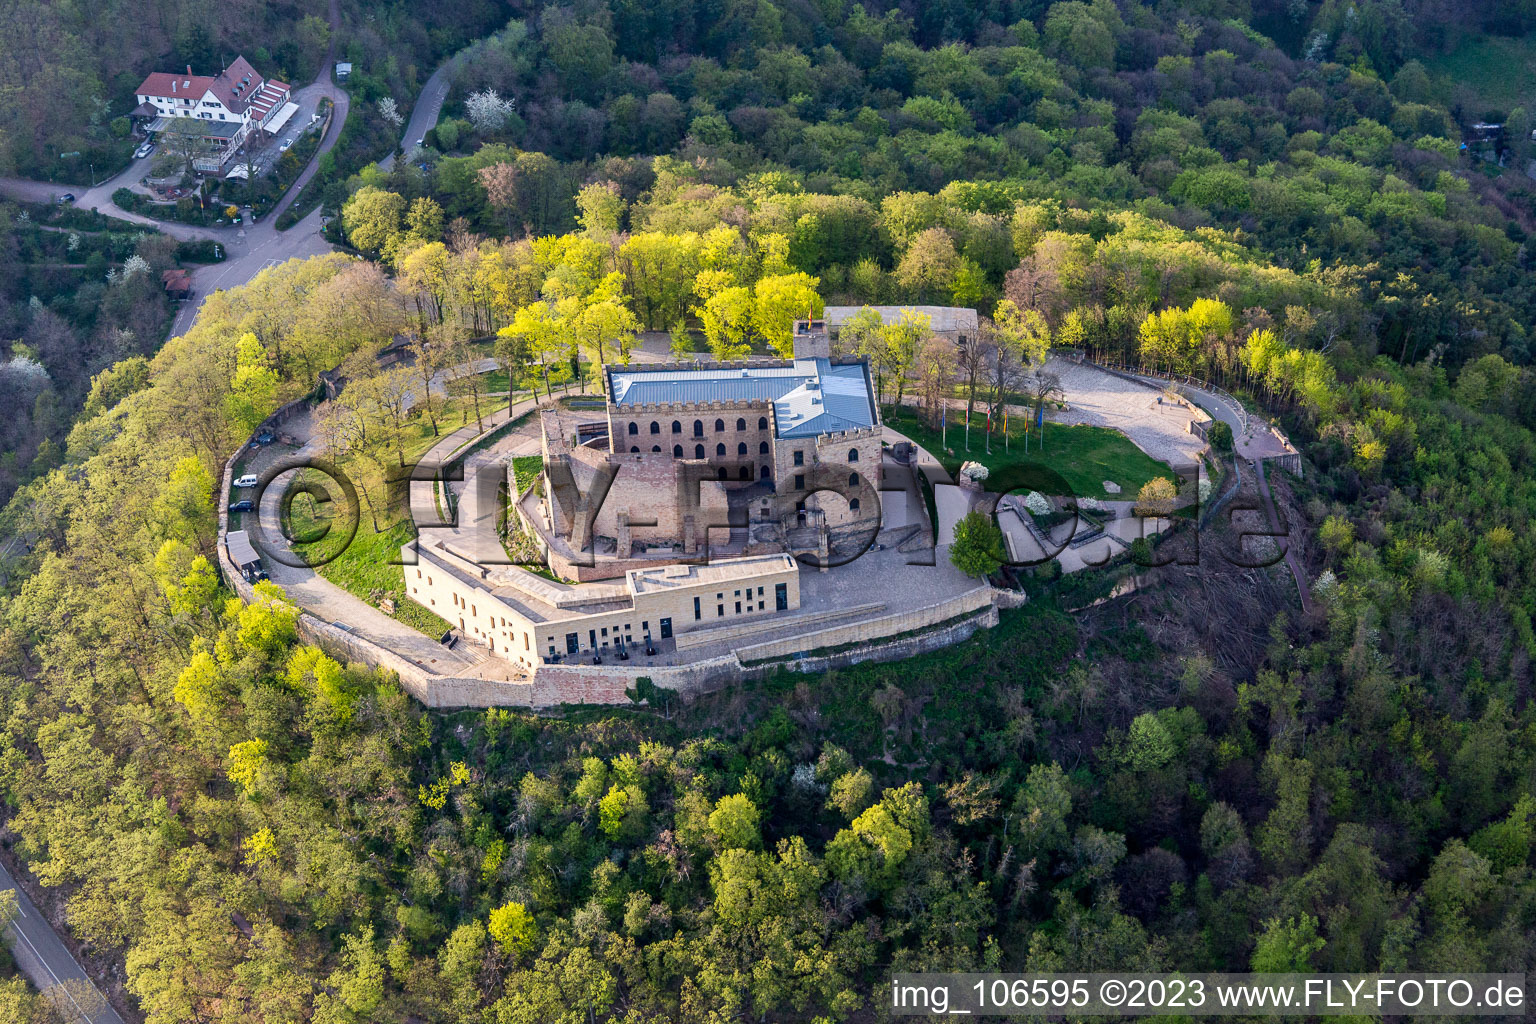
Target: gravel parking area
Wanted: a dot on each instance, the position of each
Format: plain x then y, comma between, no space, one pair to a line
1159,428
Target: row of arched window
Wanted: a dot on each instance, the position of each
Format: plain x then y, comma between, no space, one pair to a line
698,426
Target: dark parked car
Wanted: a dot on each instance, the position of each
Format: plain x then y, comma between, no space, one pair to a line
67,197
265,439
243,505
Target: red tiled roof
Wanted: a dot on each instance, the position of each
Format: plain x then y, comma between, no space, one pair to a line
234,87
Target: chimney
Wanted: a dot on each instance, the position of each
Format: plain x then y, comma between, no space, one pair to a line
189,70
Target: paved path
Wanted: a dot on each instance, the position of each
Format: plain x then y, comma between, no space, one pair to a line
324,599
1291,560
424,115
48,963
472,532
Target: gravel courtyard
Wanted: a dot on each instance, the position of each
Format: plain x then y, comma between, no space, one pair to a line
1101,399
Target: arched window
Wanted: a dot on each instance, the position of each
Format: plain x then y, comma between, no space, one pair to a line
762,423
677,428
762,448
853,455
677,451
720,473
853,479
719,426
634,428
720,450
741,424
655,447
741,449
746,472
764,474
698,428
853,504
698,451
655,427
634,450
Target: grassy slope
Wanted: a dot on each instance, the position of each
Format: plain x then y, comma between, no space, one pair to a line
1501,70
1083,456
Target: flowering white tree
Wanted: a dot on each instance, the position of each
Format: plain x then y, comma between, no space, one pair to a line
487,111
22,376
390,111
134,264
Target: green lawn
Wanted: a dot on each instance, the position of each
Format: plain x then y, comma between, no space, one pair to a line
1501,70
526,469
367,566
1083,456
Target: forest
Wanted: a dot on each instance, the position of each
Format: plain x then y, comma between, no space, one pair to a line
1198,775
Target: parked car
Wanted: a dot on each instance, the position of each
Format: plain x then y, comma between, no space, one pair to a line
249,480
144,151
285,146
265,439
254,574
243,505
67,197
421,143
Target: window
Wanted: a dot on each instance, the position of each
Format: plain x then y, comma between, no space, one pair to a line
633,449
799,481
592,639
720,473
738,607
655,427
759,591
605,631
799,458
698,428
762,423
634,429
666,629
746,473
853,504
572,643
697,615
720,450
781,597
677,428
719,426
762,448
698,451
853,455
766,473
741,424
719,611
741,448
677,451
853,479
655,447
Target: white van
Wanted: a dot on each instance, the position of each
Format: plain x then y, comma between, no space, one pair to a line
249,480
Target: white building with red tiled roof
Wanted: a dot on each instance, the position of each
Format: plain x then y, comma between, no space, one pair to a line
234,102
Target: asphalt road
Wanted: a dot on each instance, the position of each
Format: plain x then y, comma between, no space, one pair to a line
424,115
44,959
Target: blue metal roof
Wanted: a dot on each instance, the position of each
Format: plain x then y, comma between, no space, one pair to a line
809,396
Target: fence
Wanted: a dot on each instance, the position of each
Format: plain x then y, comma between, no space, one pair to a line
1140,373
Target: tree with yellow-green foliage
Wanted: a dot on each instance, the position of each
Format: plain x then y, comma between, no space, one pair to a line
778,302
